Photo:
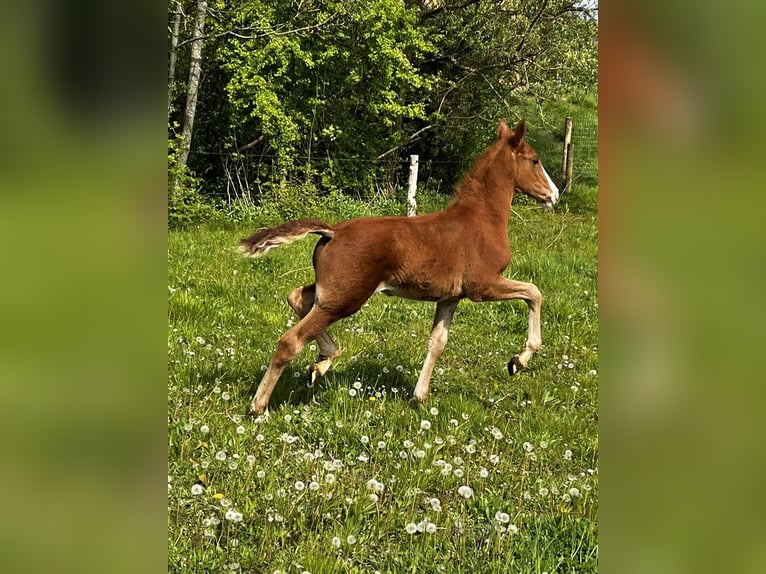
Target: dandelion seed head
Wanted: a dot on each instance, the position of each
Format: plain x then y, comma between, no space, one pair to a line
411,528
465,491
425,424
196,489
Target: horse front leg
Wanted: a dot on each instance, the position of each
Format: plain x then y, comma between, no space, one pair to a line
506,289
290,344
301,300
436,343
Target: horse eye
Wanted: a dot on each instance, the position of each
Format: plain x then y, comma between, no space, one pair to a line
535,161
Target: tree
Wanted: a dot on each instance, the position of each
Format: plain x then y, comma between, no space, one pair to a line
195,71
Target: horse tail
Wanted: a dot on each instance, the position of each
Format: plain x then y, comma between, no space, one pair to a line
265,240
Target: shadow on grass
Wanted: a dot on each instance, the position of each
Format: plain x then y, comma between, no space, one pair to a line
292,388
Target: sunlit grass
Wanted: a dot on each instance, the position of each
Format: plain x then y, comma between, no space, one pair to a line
493,475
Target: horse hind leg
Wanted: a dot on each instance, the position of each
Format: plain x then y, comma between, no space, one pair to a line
290,344
301,300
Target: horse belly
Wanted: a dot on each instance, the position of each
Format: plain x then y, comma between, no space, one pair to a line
419,291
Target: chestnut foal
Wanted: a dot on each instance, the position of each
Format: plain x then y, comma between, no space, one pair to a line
443,257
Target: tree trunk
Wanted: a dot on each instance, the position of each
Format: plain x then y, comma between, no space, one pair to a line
172,58
195,71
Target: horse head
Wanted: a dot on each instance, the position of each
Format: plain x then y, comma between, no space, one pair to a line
529,174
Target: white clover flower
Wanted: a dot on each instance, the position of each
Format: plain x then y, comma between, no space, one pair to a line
484,473
425,424
335,542
465,491
502,517
351,539
204,429
411,528
196,489
568,454
430,528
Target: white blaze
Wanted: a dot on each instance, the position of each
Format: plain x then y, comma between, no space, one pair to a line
554,190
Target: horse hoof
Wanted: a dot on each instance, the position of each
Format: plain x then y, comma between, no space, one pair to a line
514,365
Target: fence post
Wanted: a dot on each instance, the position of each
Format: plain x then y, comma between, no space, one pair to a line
567,141
412,205
570,167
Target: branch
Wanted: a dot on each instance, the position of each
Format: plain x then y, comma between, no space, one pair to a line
271,32
252,144
409,140
435,11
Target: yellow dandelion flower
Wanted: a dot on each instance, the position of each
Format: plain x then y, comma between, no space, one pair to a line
218,496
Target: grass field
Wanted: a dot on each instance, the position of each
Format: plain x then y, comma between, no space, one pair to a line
494,474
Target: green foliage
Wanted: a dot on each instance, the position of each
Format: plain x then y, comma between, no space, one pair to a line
185,206
326,87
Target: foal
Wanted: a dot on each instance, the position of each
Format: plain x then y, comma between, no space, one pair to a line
443,257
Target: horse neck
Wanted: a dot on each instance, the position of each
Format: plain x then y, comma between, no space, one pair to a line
487,191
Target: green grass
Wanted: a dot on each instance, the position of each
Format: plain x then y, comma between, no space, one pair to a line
520,443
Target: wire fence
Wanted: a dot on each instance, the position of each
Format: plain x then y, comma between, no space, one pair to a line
585,150
243,174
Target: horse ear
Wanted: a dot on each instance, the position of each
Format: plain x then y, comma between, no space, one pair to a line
503,130
518,132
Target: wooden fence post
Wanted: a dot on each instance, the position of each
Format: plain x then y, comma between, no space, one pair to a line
570,167
567,141
412,205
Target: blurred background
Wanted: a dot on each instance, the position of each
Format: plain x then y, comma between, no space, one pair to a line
83,212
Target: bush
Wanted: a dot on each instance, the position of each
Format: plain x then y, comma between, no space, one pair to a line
185,205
